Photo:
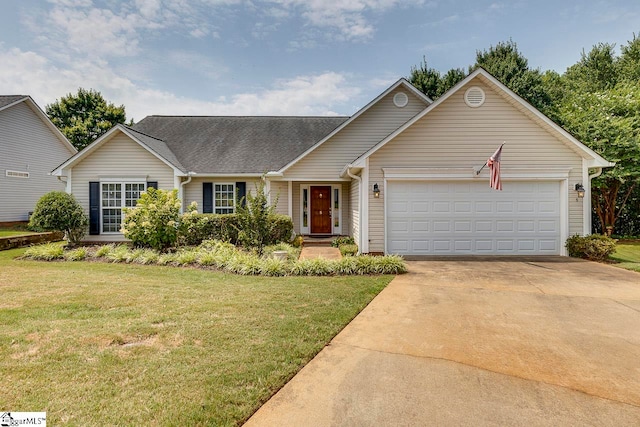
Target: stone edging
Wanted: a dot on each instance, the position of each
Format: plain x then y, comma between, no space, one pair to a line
13,242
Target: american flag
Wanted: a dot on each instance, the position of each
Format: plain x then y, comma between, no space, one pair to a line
494,168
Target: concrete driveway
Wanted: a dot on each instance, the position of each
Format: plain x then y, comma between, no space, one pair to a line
542,341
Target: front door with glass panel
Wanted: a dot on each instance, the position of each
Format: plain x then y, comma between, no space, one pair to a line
321,210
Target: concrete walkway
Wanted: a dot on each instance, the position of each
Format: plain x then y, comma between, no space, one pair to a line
327,252
502,342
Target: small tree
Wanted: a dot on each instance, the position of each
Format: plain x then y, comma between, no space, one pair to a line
153,223
59,211
83,117
255,227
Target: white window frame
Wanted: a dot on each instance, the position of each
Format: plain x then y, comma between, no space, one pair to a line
337,230
16,174
123,199
215,207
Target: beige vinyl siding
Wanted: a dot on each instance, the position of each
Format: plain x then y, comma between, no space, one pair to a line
355,210
345,208
279,194
327,160
27,144
193,190
455,135
118,157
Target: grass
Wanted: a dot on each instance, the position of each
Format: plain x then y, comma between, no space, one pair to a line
627,255
95,343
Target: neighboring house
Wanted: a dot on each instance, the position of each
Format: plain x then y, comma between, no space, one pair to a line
30,146
420,155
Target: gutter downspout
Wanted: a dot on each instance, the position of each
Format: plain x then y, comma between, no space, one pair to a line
596,174
182,184
359,179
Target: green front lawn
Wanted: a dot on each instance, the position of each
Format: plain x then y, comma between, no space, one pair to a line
627,254
122,344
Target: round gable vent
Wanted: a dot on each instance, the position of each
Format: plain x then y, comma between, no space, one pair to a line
400,99
474,97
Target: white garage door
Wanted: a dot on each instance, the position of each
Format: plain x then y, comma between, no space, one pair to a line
458,218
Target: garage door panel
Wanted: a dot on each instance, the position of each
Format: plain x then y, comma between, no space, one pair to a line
470,218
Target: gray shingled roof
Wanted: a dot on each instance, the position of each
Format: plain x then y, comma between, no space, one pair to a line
10,99
237,144
159,147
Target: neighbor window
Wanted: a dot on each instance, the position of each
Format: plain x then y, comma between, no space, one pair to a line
114,199
224,198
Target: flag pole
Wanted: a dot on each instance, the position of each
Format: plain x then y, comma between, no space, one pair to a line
485,163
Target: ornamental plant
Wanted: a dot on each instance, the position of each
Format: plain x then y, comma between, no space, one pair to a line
153,223
59,211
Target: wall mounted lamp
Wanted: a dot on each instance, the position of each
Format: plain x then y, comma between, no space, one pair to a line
580,190
376,191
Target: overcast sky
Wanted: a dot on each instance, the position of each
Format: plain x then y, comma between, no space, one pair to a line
277,57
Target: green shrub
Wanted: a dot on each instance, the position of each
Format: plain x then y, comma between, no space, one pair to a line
595,247
153,223
273,267
281,228
258,224
348,250
313,267
104,250
59,211
342,240
78,254
195,228
45,252
298,241
119,253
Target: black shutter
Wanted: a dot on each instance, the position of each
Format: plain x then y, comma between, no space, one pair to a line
94,207
153,184
241,193
207,197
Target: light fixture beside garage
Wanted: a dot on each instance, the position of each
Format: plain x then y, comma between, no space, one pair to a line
580,191
376,191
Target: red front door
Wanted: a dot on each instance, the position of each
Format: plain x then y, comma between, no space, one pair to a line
321,210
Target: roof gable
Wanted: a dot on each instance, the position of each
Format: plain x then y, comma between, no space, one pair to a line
153,145
401,82
595,159
8,101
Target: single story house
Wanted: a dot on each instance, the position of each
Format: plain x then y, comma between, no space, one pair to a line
30,146
400,175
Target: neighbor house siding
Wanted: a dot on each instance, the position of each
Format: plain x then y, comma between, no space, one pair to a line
27,144
328,160
119,157
457,136
193,190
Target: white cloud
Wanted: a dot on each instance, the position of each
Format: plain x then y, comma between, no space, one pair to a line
349,17
32,74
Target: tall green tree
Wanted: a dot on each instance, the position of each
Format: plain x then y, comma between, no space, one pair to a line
430,82
85,116
505,62
601,107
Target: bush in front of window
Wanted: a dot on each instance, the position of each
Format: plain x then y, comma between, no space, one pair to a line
59,211
153,223
196,227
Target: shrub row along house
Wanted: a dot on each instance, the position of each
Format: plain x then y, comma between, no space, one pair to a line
30,146
399,175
